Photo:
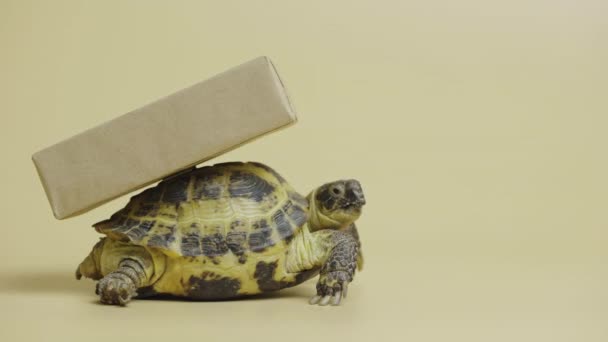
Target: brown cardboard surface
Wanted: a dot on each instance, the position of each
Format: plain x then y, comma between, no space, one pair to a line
164,137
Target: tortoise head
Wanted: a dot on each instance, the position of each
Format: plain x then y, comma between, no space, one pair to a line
338,204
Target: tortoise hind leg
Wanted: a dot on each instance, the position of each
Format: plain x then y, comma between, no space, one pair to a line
121,268
119,286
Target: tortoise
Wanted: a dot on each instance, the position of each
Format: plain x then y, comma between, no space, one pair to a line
227,231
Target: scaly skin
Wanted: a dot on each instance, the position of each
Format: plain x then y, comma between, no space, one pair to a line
339,269
121,285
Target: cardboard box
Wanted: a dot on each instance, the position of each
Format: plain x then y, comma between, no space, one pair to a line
172,134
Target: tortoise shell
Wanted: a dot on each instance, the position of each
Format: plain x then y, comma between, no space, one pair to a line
211,211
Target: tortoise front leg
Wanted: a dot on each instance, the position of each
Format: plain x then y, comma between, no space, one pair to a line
338,270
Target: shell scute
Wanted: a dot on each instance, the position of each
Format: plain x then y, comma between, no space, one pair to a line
212,211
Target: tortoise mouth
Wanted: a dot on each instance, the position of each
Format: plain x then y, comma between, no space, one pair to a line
354,205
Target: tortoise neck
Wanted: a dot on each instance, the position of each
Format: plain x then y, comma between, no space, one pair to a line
307,250
316,219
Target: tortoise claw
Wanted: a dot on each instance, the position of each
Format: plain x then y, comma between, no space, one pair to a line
325,300
314,300
337,298
334,299
331,289
115,289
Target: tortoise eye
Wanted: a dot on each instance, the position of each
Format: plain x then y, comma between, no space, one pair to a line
336,190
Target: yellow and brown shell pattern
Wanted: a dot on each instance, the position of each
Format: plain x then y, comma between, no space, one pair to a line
238,208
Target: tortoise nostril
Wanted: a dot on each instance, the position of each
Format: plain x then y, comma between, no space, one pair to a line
359,198
354,191
362,199
355,197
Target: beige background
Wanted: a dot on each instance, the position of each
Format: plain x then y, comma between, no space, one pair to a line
478,129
